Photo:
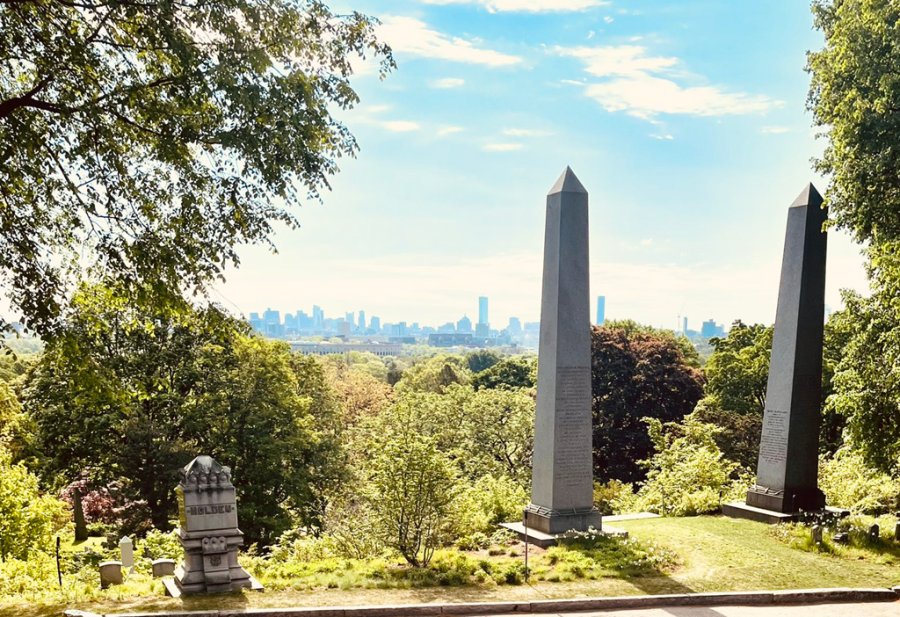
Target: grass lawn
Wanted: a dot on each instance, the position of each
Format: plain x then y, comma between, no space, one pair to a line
714,554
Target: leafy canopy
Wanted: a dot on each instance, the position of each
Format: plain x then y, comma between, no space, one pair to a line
637,372
146,140
855,95
132,396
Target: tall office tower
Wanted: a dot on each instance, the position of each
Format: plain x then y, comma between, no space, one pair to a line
515,326
350,319
257,323
318,318
272,317
601,310
375,324
362,321
483,310
464,325
684,326
708,330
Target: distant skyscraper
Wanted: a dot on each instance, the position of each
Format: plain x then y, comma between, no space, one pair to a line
464,325
318,318
375,323
601,310
515,326
684,326
710,329
362,321
349,318
483,310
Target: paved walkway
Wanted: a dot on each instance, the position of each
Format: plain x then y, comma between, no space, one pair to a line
866,609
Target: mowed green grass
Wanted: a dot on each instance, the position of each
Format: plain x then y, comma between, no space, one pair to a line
715,554
725,554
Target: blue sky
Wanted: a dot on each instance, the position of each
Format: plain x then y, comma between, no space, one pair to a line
684,120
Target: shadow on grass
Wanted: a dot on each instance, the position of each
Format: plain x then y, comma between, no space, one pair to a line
647,567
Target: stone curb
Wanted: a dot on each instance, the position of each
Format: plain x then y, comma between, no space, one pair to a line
743,598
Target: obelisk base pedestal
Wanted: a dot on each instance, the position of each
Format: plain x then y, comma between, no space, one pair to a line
787,501
560,521
770,506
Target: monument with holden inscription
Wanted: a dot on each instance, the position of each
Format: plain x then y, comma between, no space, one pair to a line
787,470
208,531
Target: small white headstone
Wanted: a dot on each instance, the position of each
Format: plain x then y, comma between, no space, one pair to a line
126,549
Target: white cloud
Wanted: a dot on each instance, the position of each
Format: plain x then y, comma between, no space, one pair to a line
642,85
774,130
447,82
400,126
374,109
609,19
662,136
528,6
501,147
449,130
647,242
526,133
412,36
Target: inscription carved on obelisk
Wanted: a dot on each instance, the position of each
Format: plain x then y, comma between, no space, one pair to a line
562,478
787,471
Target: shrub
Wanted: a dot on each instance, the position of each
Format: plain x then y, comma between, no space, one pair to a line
688,474
480,507
614,497
161,545
849,483
413,485
28,519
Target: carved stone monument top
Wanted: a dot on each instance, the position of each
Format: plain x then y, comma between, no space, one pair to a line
207,511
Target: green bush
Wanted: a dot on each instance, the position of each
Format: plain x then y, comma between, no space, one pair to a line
480,507
850,483
614,497
688,474
28,519
161,545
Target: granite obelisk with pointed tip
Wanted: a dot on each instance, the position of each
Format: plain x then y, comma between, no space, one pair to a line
787,472
562,479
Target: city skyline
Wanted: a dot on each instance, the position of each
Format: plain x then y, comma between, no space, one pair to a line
689,189
296,322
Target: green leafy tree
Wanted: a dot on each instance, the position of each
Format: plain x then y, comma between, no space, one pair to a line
737,372
28,519
482,360
271,418
855,96
16,432
132,397
413,486
435,374
149,139
512,372
687,475
865,379
636,373
496,434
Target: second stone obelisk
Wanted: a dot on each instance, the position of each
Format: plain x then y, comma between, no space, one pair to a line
562,479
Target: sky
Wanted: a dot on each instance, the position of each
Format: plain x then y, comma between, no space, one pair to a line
686,122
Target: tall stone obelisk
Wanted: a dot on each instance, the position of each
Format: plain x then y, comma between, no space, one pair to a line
562,479
787,472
